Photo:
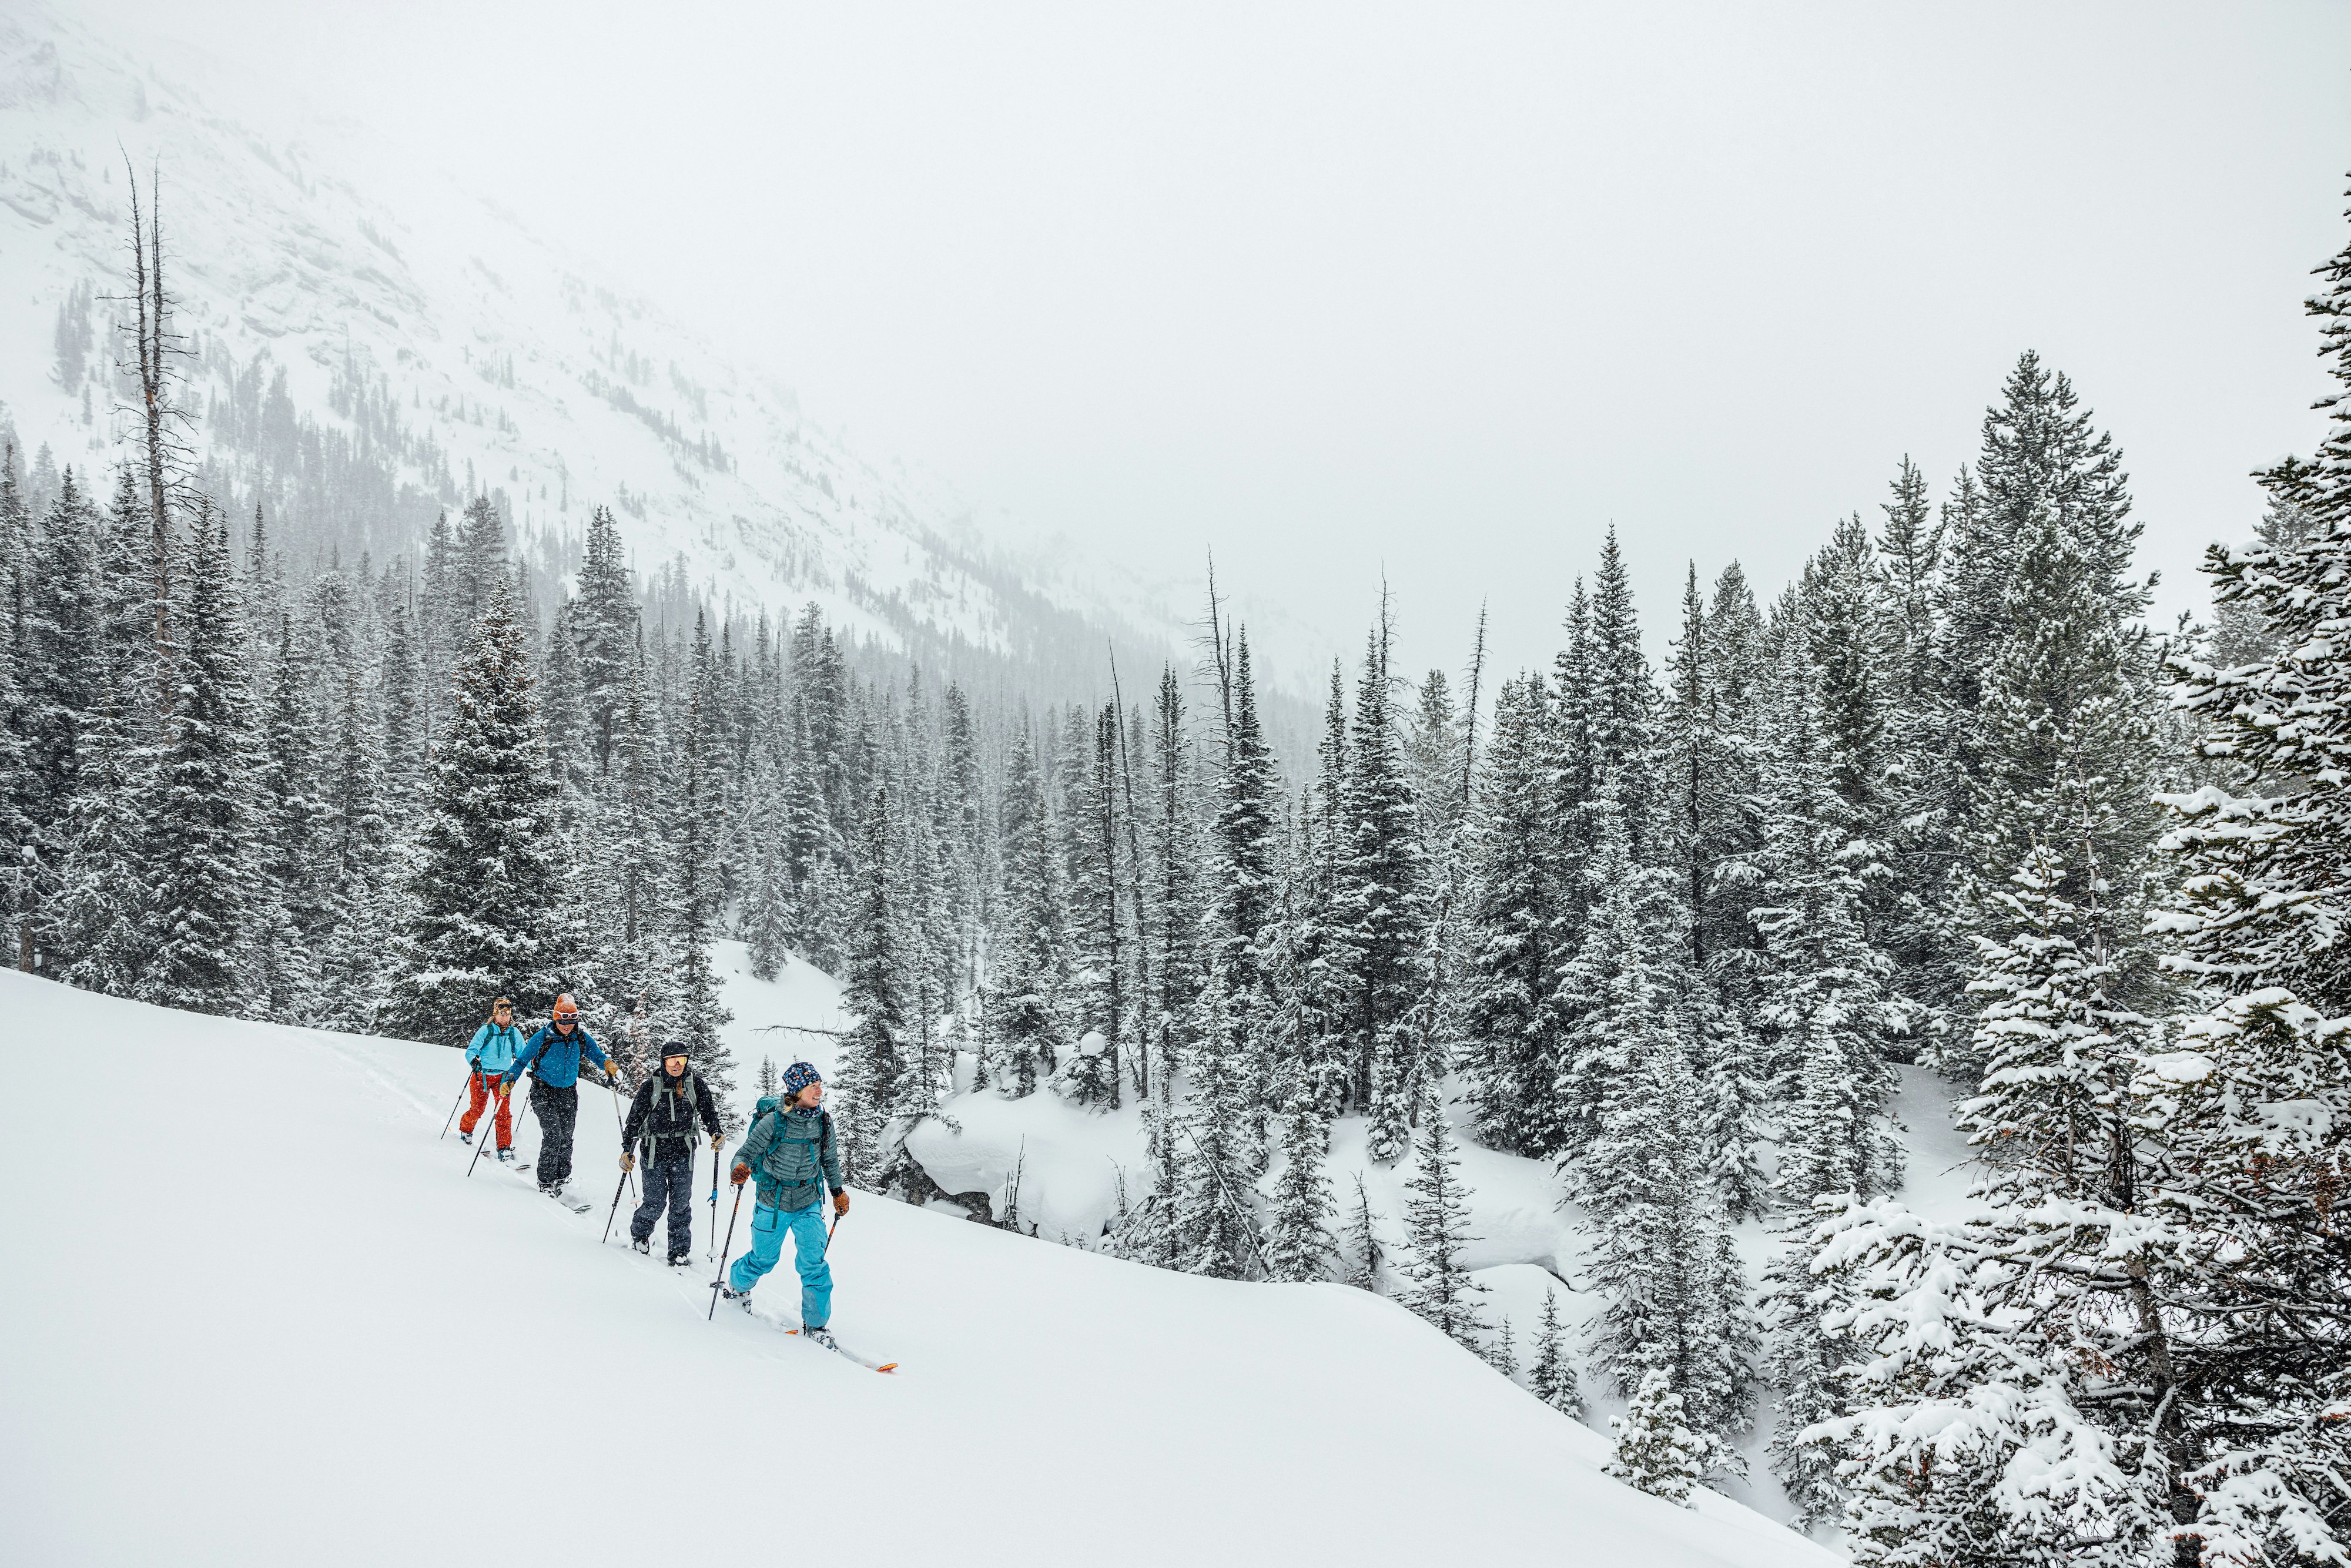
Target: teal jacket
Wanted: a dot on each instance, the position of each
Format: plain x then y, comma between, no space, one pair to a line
493,1048
788,1151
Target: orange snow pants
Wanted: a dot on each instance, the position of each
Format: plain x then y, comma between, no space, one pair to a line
481,1087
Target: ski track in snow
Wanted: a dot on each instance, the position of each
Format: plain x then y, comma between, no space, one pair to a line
364,1357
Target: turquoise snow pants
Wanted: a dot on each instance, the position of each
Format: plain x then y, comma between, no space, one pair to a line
806,1228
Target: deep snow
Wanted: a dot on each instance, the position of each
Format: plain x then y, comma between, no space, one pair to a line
269,1320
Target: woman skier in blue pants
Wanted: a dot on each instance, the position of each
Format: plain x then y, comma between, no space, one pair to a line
791,1150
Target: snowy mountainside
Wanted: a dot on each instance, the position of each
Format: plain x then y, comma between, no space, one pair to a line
321,277
283,1323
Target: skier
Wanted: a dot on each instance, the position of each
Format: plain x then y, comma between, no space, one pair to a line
492,1052
791,1149
554,1088
667,1104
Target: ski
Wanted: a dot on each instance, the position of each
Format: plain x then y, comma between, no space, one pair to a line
847,1354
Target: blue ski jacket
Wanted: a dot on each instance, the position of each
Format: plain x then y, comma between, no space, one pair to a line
558,1058
494,1047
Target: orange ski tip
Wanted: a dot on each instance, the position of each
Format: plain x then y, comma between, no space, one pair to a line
892,1366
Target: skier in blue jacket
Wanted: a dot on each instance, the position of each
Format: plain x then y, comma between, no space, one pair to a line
791,1149
555,1053
491,1053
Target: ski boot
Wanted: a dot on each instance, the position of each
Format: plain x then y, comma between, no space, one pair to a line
641,1247
680,1260
819,1336
465,1138
505,1157
741,1298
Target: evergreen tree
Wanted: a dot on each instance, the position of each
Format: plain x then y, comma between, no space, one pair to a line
1215,1233
482,919
202,849
872,1052
1552,1377
1508,1007
1657,1451
695,1013
1297,1245
1379,911
1437,1227
1025,978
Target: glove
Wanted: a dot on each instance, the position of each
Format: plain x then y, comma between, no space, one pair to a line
740,1175
628,1162
611,1067
717,1142
841,1203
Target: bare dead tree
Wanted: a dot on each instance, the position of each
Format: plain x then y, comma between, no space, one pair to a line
156,350
1220,649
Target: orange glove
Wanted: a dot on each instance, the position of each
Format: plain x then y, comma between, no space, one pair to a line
628,1162
741,1175
841,1202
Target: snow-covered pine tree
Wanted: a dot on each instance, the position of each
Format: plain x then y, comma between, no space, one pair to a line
604,621
1096,998
1024,970
1551,1378
99,914
632,969
1298,1211
1657,1450
694,1012
481,918
1731,1088
1215,1228
1508,1008
1437,1227
63,680
1379,910
2254,1106
201,850
1675,1298
16,828
1826,1011
871,1052
1248,898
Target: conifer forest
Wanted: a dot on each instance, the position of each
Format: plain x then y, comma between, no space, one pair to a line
1667,914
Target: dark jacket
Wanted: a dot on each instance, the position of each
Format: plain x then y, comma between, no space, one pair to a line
664,1112
788,1151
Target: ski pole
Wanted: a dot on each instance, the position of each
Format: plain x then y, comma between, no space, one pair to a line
616,1200
714,1189
460,1100
731,1213
829,1229
629,1176
495,1095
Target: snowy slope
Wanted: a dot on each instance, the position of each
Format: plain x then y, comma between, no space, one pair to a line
265,1317
314,248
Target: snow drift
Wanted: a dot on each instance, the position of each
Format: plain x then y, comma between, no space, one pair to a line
268,1319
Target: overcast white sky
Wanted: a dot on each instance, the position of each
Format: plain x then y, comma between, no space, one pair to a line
1444,289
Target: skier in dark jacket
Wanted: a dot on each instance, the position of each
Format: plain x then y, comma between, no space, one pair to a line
791,1149
554,1088
662,1114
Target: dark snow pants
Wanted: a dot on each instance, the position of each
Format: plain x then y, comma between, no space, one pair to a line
671,1182
557,1110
